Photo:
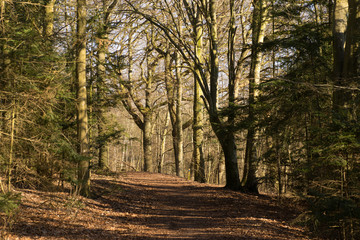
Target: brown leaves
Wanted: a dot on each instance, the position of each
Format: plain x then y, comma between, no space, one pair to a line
152,206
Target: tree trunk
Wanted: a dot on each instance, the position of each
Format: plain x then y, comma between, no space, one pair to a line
48,18
224,135
278,161
179,143
214,59
143,121
148,118
198,138
228,145
174,97
11,152
339,34
5,82
170,89
231,62
351,54
83,168
103,163
147,142
163,144
198,135
249,181
339,39
100,84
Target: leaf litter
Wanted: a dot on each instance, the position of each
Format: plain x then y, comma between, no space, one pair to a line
149,206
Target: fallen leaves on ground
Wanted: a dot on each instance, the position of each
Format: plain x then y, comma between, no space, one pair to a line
147,206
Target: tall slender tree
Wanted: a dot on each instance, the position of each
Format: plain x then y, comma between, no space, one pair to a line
198,106
82,117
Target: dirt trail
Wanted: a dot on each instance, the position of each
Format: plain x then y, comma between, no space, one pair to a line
153,206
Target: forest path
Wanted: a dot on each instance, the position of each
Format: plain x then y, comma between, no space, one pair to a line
153,206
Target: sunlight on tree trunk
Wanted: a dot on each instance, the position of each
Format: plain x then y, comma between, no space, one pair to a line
148,112
48,19
179,143
84,163
249,180
163,143
198,138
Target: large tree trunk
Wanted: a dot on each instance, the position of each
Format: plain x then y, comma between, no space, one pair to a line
83,168
249,181
228,145
224,135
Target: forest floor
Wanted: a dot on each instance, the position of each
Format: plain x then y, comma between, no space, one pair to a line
147,206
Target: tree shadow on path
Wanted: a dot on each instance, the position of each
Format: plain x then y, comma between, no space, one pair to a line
158,206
